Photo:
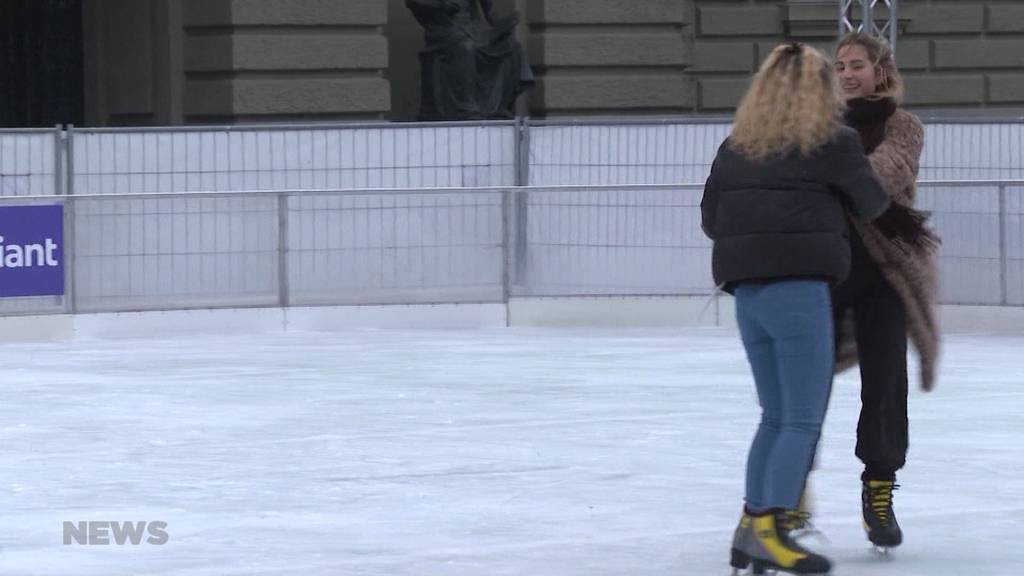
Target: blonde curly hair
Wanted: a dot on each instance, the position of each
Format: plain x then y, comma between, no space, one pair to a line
793,104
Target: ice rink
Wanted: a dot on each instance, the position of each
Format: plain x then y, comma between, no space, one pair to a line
518,452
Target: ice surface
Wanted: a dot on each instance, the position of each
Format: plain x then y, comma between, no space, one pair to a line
519,452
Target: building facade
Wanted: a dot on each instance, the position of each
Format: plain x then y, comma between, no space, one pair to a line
159,62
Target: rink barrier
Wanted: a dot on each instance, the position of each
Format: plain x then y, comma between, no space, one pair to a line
588,312
350,155
302,248
576,151
981,223
131,252
32,161
668,150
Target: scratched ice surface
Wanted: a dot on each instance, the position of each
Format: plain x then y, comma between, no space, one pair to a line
512,452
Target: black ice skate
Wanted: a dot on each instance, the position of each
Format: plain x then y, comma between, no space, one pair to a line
879,519
761,542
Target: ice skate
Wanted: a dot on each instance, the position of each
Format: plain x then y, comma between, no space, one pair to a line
879,519
737,557
761,543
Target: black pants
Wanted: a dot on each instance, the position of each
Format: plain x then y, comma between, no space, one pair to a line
881,334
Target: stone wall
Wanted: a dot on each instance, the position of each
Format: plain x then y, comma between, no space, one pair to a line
217,61
953,53
202,61
974,52
698,55
609,56
255,60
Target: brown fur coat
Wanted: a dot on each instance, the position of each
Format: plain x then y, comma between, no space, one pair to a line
911,271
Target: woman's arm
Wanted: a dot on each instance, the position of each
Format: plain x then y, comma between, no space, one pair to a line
856,180
709,203
896,160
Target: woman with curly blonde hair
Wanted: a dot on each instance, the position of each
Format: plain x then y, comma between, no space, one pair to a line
812,117
775,208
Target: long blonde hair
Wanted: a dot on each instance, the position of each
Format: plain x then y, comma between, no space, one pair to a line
889,80
792,104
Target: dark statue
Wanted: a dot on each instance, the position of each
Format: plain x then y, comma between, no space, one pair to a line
473,68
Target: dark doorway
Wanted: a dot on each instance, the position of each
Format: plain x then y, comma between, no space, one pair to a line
40,63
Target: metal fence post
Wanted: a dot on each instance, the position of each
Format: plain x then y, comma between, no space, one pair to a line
1003,260
69,160
842,17
70,236
894,24
58,159
506,252
521,237
283,295
522,152
521,200
70,304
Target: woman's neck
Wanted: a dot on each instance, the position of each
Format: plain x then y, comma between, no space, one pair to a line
868,116
869,109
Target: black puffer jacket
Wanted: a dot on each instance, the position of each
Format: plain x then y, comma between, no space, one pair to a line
785,217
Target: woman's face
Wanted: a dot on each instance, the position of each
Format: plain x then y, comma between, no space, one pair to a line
856,73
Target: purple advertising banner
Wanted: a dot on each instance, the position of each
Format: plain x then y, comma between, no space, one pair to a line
31,250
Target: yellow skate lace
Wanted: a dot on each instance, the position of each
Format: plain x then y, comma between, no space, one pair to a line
880,495
795,520
797,524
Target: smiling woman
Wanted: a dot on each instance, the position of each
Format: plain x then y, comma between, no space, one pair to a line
877,307
866,68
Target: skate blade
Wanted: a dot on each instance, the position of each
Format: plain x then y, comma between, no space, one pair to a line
883,552
773,572
764,570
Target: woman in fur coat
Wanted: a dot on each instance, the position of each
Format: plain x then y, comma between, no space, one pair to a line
890,294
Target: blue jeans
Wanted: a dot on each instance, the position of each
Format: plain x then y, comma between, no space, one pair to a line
786,328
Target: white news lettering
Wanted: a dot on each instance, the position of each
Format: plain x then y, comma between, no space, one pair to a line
28,255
